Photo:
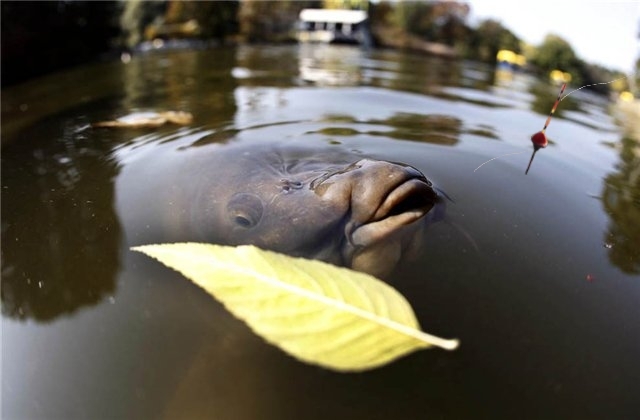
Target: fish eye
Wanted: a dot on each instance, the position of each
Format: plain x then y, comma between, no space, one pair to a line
245,210
243,221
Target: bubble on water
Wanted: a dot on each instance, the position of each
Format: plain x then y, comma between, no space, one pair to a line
608,245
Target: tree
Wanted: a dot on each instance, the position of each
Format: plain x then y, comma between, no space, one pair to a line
441,21
270,20
346,4
489,38
556,53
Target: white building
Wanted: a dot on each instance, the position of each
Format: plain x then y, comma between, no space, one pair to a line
334,25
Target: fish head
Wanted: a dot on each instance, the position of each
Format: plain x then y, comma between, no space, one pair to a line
367,214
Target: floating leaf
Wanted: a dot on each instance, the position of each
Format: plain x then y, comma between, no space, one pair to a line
323,314
147,119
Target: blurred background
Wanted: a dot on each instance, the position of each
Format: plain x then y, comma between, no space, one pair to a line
592,42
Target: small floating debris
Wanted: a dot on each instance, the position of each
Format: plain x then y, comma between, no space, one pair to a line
147,120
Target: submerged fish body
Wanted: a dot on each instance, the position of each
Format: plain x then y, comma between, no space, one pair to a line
328,204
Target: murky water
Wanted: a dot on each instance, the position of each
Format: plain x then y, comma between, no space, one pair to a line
537,275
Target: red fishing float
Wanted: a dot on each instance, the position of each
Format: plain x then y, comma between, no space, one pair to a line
539,139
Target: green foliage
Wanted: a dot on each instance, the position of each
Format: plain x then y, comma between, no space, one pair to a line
593,73
432,21
142,20
413,17
556,53
621,201
216,19
345,4
438,21
544,97
319,313
489,38
270,21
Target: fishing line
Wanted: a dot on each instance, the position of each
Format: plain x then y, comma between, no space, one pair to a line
508,154
539,139
592,84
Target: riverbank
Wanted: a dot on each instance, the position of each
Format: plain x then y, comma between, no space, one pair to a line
391,37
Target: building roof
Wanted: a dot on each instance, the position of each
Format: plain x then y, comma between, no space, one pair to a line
333,15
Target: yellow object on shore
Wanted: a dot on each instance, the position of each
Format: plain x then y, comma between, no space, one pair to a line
626,96
560,76
511,57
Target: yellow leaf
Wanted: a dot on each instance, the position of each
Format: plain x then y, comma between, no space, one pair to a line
319,313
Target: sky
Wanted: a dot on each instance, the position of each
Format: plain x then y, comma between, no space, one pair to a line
600,32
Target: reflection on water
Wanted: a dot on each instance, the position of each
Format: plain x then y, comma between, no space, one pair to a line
332,66
430,128
174,82
60,235
621,201
537,305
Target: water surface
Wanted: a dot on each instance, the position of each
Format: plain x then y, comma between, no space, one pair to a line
537,275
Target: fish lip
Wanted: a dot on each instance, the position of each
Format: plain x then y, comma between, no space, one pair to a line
414,195
405,204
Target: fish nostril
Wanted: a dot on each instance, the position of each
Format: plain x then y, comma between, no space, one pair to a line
287,185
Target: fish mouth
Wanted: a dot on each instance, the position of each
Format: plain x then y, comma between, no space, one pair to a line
406,203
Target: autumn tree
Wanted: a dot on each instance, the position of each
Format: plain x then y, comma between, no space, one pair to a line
142,20
346,4
270,20
442,21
